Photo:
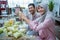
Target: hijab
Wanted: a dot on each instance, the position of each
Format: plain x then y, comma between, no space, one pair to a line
46,15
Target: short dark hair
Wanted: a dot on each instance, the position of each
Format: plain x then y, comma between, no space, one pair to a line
31,4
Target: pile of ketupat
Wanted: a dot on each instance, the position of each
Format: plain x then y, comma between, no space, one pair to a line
14,28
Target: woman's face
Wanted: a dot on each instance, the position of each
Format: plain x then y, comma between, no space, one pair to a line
41,10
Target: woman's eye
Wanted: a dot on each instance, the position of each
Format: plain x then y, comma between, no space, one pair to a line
38,8
41,7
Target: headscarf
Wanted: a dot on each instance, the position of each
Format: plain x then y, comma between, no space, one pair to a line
46,15
44,5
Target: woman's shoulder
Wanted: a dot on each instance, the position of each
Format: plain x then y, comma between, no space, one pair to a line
49,14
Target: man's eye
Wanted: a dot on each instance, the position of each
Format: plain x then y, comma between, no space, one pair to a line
29,8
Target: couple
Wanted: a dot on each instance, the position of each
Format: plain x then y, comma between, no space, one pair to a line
41,22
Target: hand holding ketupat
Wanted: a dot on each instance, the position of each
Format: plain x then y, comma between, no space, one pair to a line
23,17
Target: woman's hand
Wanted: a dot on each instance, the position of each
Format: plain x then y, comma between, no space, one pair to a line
23,17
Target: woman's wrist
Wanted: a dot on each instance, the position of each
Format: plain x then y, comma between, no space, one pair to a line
27,20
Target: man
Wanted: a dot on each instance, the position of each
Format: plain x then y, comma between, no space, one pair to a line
32,16
32,12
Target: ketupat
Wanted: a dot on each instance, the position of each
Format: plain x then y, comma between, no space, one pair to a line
17,23
10,33
6,24
15,26
18,34
5,31
1,30
11,28
23,30
23,26
9,23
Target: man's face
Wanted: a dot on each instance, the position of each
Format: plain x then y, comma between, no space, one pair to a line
31,9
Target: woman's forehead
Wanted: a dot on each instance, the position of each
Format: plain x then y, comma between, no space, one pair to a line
39,6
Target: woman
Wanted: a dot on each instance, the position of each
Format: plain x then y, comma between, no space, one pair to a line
43,25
